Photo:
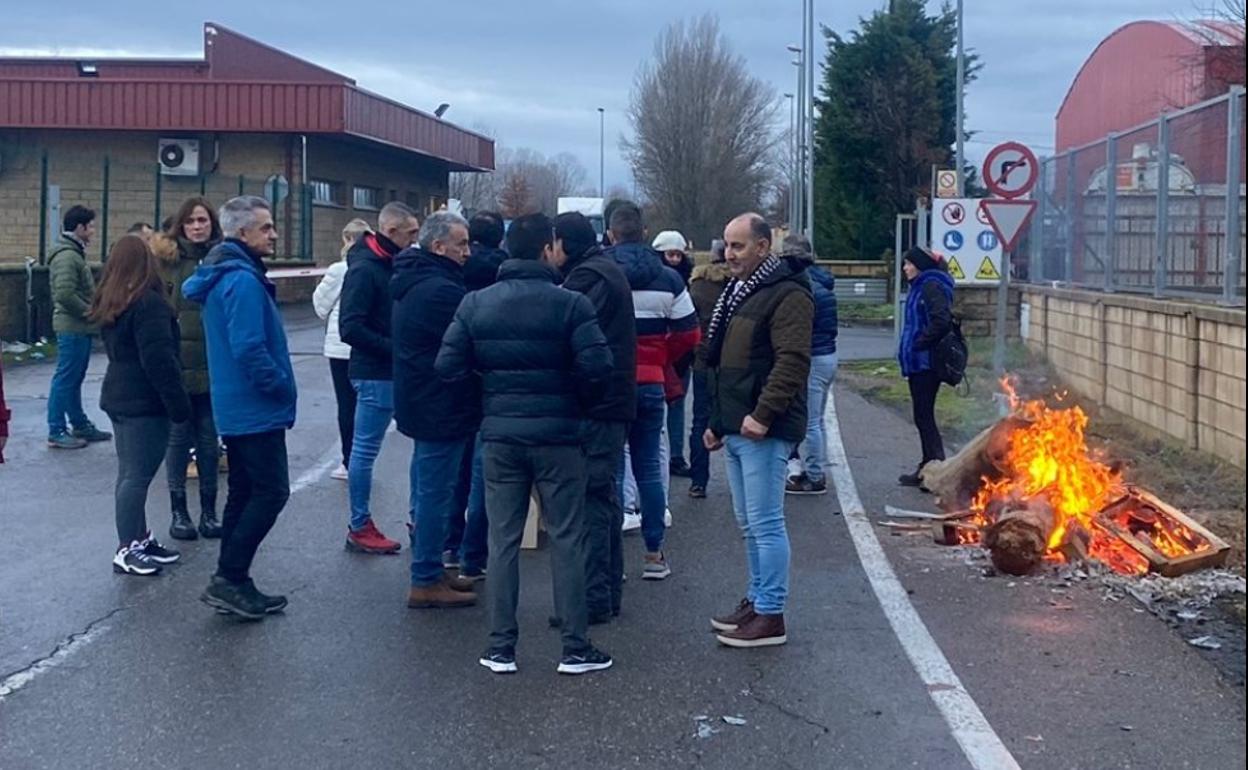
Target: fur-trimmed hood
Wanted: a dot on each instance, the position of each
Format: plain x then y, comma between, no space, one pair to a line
169,249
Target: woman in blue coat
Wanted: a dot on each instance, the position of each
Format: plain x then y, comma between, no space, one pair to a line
928,317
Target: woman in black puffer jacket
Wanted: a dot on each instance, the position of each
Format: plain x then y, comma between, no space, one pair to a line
142,392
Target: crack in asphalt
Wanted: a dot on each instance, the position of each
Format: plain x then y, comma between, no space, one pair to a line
15,680
787,711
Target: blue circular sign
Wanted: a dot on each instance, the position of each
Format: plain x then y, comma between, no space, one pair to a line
953,240
987,240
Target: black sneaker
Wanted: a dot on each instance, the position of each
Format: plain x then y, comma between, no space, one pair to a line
499,661
153,550
130,560
233,598
802,485
272,603
910,479
678,467
697,492
583,662
91,434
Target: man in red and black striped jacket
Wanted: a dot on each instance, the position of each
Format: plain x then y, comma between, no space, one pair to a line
667,330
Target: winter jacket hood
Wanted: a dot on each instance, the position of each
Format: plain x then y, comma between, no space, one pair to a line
364,307
481,270
253,382
640,263
666,321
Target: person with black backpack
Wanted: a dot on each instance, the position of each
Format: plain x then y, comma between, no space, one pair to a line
928,321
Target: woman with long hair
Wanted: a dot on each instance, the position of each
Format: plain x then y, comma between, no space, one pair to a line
325,301
928,318
142,392
179,249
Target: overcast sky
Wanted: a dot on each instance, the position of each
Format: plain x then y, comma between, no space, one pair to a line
534,72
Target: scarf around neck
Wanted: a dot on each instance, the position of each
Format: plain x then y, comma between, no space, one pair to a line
735,294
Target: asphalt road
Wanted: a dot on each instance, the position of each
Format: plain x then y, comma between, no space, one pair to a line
102,671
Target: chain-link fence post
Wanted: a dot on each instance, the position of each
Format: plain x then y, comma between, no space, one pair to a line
1071,168
1037,245
1111,209
104,214
43,207
160,179
1163,204
1234,157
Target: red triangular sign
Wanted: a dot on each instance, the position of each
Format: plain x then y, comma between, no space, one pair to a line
1008,219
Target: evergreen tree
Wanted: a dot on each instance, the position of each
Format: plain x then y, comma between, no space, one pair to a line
887,113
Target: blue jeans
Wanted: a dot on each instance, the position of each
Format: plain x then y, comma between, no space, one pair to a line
65,395
699,458
645,437
374,409
676,423
435,481
474,545
819,389
756,476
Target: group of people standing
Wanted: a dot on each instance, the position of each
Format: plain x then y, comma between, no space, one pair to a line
550,368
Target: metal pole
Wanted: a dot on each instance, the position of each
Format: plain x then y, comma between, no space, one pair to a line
897,247
43,207
960,118
104,215
1234,157
801,131
159,181
241,180
1069,276
809,45
1163,205
1110,257
1003,303
602,152
792,169
1038,267
920,211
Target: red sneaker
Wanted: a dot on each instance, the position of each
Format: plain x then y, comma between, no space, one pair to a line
368,539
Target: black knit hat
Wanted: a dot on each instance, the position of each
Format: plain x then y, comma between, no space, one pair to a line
923,259
577,234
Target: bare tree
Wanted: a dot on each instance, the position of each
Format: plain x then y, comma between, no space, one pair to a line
524,181
703,130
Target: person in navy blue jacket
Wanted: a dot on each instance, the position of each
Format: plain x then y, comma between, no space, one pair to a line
253,395
928,318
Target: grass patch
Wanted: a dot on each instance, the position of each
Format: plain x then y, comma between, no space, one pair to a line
865,311
43,350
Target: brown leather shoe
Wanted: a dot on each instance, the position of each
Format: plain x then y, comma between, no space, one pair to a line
734,619
461,584
758,631
439,596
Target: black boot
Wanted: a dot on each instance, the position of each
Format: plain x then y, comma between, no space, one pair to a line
182,527
209,524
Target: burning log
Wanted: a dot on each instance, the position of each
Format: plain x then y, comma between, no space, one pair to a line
1019,536
954,481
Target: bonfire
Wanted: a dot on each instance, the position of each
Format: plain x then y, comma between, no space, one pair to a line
1030,490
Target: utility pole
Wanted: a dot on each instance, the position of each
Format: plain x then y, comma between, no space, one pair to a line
792,169
960,119
809,43
800,188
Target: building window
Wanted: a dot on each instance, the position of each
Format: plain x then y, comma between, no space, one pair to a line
365,197
326,193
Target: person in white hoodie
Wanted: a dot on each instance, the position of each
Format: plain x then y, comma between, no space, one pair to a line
325,300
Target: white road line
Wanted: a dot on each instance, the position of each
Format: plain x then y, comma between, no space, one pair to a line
63,652
979,742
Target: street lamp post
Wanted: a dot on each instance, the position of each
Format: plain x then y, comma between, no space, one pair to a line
800,187
961,110
792,169
602,152
809,136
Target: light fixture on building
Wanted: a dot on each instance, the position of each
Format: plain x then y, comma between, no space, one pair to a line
441,110
88,69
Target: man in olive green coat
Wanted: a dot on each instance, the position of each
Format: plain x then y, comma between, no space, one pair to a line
72,289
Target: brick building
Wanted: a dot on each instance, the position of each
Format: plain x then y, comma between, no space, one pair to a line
132,138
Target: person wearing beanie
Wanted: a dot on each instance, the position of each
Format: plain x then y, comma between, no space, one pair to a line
674,248
928,317
590,272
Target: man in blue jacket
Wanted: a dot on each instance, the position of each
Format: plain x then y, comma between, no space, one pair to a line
253,396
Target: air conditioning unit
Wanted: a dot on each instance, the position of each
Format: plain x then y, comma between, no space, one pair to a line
179,157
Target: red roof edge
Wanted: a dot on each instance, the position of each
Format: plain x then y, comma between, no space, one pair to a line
233,56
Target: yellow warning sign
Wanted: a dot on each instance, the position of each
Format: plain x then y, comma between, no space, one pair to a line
987,271
956,270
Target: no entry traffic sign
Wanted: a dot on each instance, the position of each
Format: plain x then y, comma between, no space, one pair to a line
1011,170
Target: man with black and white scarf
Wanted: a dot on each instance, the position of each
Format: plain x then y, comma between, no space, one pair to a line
757,355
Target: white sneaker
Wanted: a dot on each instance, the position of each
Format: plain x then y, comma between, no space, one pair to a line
667,517
340,473
795,468
632,521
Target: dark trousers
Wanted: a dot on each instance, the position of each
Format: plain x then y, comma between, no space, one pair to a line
923,389
140,443
200,432
344,394
604,518
558,473
259,486
699,458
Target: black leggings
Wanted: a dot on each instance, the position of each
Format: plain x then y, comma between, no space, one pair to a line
344,394
923,389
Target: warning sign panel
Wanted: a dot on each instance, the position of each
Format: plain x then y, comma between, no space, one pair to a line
987,271
959,233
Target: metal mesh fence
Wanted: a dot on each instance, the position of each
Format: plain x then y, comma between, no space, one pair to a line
1158,208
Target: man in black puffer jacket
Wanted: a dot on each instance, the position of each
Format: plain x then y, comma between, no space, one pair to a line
427,288
591,272
542,360
485,235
